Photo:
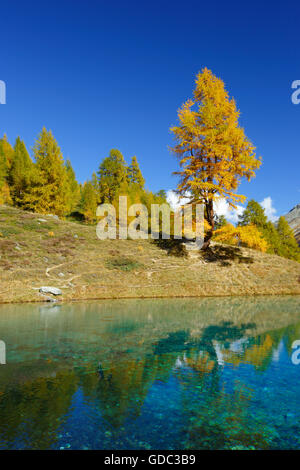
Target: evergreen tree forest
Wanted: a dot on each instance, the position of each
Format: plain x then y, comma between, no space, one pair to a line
47,184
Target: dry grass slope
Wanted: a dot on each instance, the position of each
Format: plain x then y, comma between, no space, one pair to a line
38,250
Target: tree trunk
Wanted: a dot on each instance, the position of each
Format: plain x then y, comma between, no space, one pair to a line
210,219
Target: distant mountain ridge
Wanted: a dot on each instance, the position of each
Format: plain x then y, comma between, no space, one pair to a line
293,218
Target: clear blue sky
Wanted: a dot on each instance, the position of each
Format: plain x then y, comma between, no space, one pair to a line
107,75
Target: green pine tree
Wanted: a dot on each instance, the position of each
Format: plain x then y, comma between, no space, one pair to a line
134,174
220,221
271,236
112,176
289,247
73,189
161,195
254,214
281,240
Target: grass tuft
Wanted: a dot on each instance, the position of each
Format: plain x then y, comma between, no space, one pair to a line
122,263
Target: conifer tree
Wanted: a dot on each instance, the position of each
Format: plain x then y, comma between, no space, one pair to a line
20,173
161,195
213,150
220,221
6,150
89,202
50,190
95,182
289,247
73,189
112,176
4,197
134,174
6,156
253,214
272,237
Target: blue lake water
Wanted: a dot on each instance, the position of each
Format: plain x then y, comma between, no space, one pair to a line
214,373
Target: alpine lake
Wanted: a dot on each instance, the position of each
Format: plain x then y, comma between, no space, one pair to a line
206,373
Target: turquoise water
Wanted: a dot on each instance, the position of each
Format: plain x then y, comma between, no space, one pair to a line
151,374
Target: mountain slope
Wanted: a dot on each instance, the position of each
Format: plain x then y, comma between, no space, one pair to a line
293,218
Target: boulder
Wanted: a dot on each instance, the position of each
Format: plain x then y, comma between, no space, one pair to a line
50,290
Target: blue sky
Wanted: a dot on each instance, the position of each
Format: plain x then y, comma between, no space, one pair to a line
107,75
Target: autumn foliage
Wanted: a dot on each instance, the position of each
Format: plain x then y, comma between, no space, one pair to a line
247,235
213,150
47,183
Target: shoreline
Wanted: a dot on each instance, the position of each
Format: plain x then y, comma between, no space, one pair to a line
98,299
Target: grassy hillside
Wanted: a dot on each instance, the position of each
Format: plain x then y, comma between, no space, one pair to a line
38,250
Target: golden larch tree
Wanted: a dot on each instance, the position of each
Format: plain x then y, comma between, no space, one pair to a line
248,235
213,150
49,191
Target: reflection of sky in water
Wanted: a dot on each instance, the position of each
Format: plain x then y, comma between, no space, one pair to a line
151,374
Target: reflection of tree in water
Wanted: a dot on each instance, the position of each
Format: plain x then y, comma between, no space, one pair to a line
220,418
122,385
121,388
256,351
202,348
292,334
32,412
216,417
